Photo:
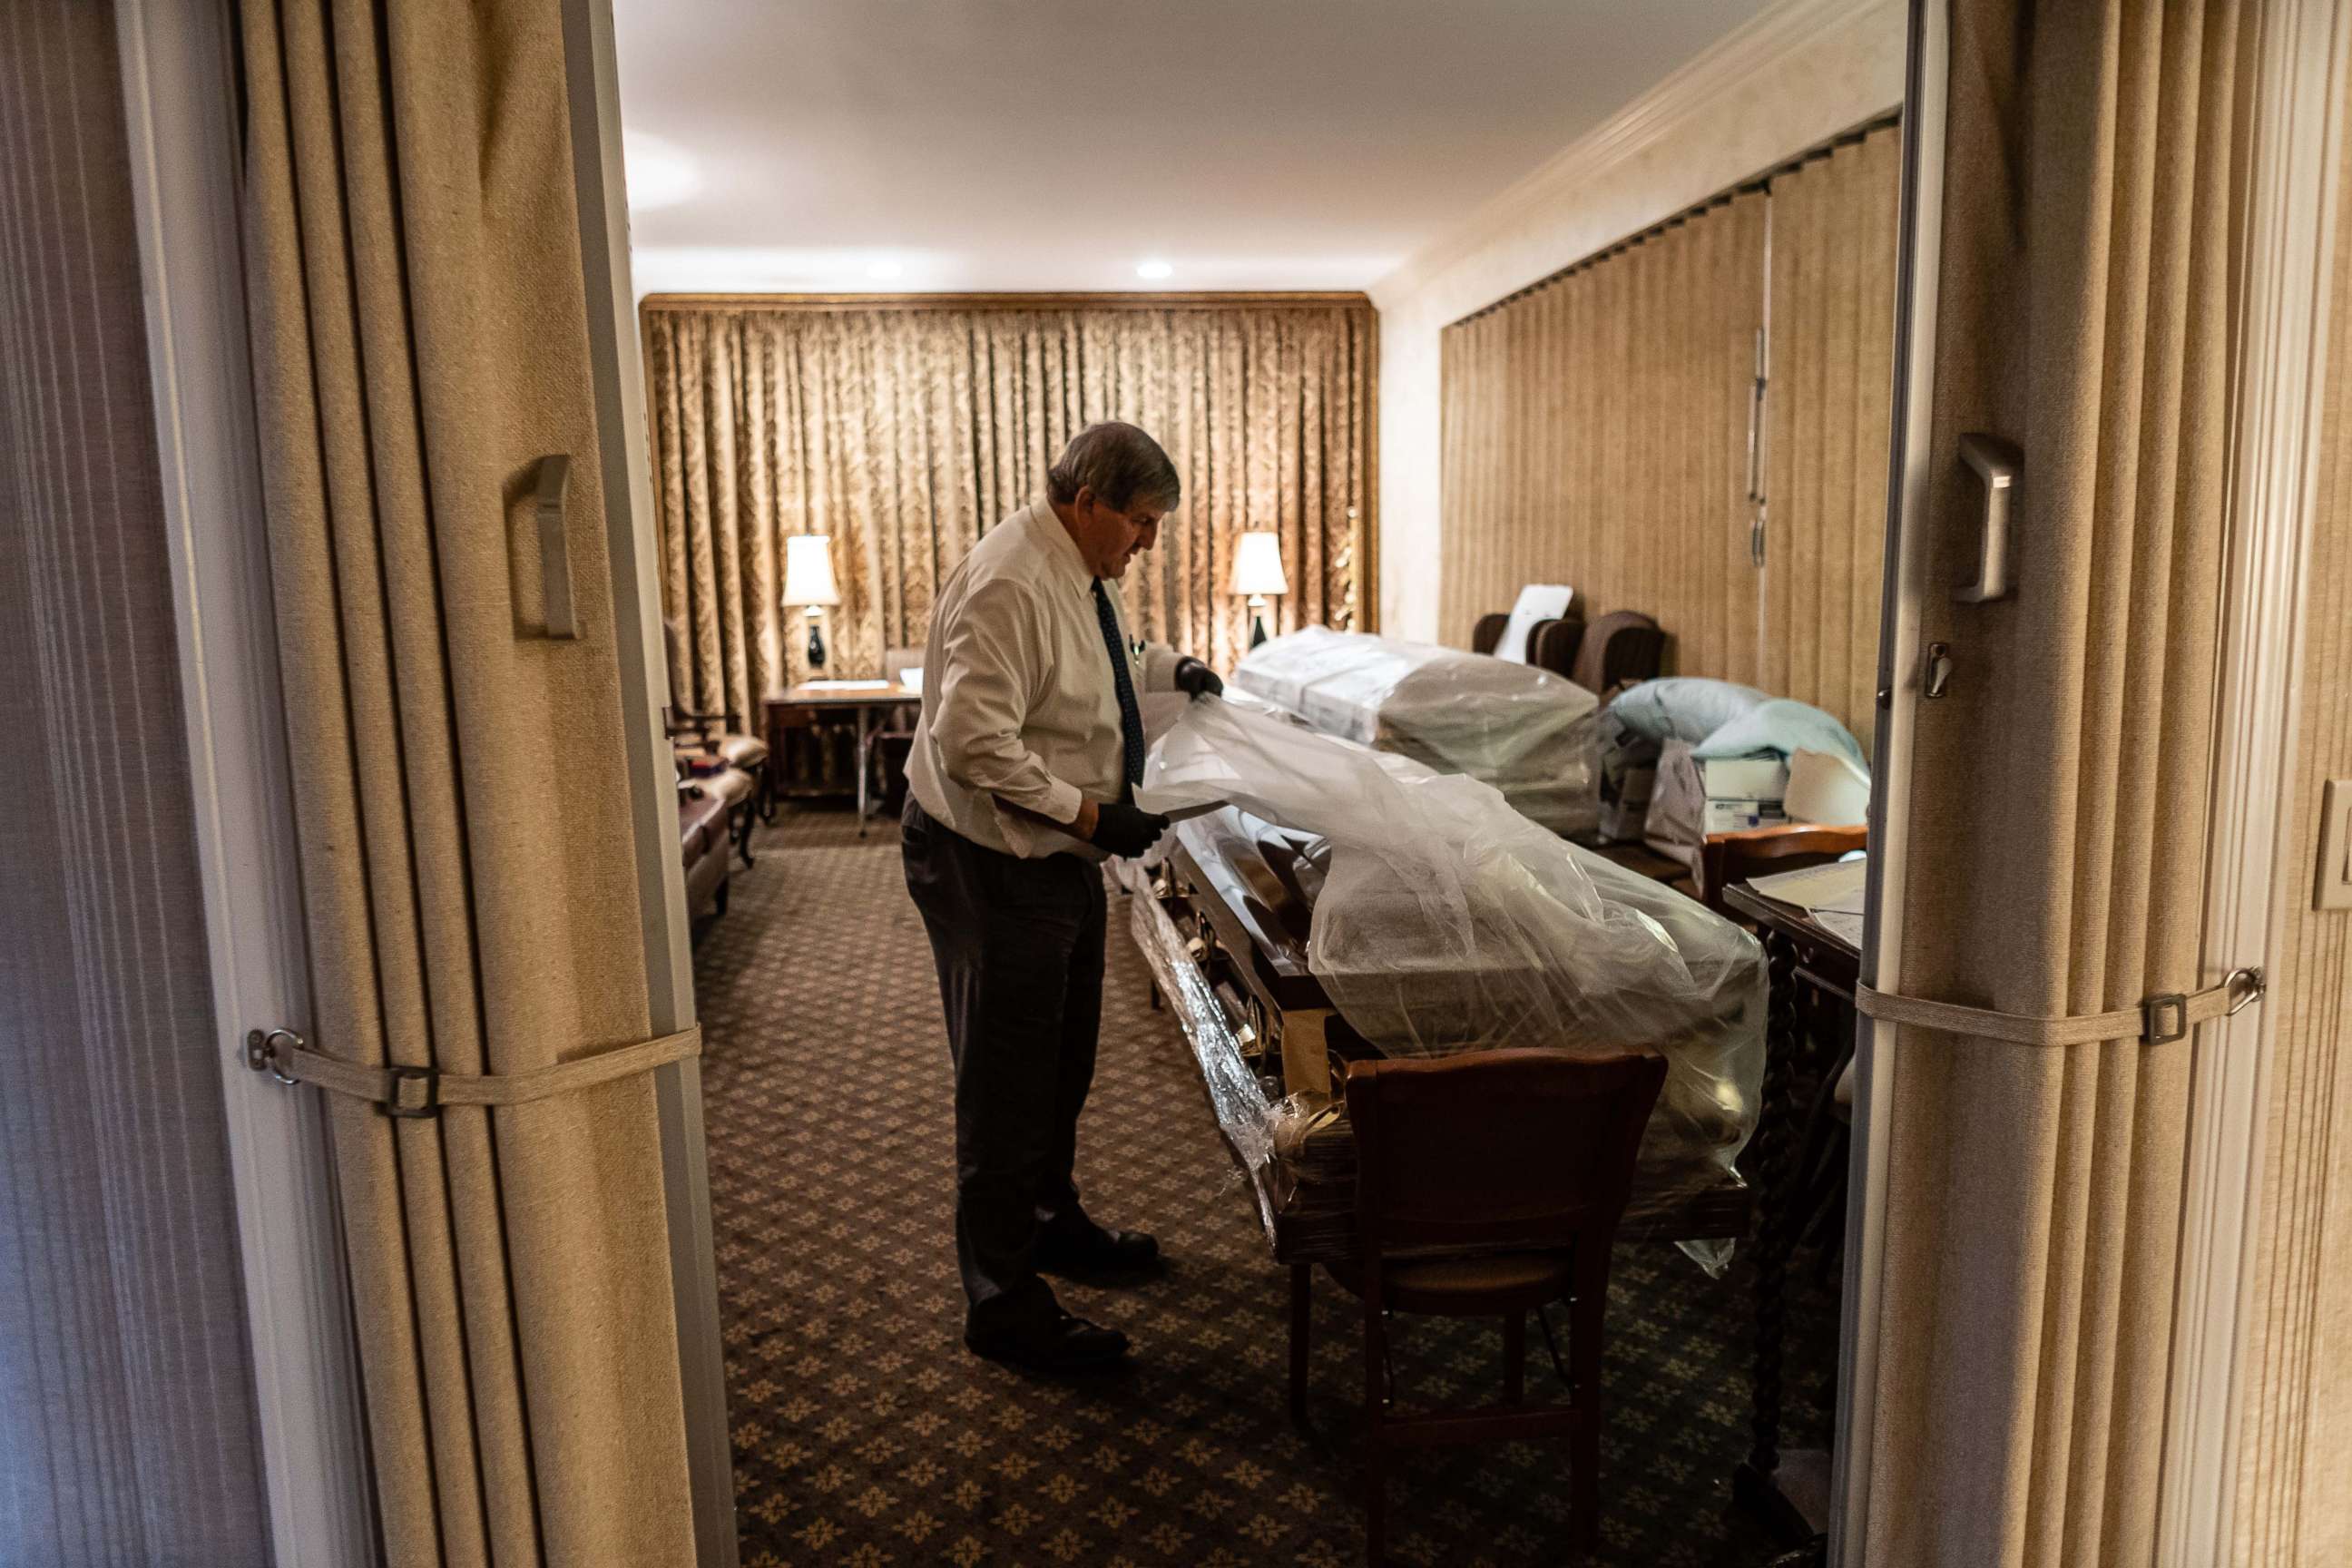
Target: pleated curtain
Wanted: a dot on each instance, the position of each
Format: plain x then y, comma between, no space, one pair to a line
904,432
2059,792
462,808
1595,433
1830,360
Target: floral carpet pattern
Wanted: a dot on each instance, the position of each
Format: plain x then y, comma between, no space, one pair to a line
864,1433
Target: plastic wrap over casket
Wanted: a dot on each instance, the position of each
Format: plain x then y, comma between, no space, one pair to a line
1444,920
1532,734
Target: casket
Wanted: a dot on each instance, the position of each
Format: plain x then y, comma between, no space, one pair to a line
1532,734
1224,921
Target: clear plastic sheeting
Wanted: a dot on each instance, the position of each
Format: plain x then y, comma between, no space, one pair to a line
1532,734
1446,921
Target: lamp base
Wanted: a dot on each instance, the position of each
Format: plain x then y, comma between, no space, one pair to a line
816,641
1257,619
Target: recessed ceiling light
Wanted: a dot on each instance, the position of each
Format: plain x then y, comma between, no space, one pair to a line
1155,271
885,269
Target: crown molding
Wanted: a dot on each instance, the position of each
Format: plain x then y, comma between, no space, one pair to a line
1693,89
1231,299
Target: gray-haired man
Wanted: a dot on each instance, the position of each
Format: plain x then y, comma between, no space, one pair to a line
1021,781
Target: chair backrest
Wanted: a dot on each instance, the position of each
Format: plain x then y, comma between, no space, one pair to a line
1621,646
895,661
1496,1149
1551,645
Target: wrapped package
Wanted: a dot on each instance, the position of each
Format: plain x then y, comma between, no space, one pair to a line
1442,921
1531,734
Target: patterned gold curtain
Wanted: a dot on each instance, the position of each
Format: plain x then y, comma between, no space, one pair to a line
904,431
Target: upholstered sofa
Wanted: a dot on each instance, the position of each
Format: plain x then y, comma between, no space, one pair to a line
704,841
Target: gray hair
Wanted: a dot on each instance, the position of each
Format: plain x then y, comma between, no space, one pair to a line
1121,464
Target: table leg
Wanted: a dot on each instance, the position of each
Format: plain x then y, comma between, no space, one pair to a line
1756,1482
864,761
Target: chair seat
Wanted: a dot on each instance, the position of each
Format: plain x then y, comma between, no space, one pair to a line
745,752
1472,1285
731,785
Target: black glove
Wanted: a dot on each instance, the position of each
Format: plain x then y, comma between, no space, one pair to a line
1194,678
1125,829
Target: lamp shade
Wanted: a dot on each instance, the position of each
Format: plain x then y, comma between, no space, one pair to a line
808,570
1257,564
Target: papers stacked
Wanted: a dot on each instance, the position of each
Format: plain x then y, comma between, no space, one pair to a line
1833,894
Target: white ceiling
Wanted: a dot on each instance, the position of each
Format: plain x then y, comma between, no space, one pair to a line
1058,144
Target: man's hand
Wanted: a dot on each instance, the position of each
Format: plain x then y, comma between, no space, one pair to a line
1123,830
1194,678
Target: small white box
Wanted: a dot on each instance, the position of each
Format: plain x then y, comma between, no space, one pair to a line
1744,778
1736,814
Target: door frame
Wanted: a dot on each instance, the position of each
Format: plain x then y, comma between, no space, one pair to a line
594,91
180,98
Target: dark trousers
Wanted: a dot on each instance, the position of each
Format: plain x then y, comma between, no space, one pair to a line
1019,946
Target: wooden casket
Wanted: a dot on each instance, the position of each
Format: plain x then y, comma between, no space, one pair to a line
1225,923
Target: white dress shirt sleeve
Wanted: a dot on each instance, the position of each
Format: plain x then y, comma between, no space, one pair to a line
992,654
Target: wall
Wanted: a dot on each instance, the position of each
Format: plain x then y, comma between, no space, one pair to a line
1796,76
128,1431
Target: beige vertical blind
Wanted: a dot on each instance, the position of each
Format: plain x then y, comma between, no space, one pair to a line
462,804
2059,793
1595,434
904,431
2295,1442
1832,367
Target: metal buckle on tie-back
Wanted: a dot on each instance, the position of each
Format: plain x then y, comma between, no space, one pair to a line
2165,1018
2254,983
399,1105
261,1052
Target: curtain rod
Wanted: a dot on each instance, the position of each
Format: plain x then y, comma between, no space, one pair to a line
1237,300
1848,137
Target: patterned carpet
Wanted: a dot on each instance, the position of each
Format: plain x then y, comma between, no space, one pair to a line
864,1433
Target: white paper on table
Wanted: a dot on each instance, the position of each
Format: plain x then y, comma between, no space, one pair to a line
1841,885
1846,926
848,686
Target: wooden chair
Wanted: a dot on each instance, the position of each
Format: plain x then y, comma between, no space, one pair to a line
1487,1184
1728,858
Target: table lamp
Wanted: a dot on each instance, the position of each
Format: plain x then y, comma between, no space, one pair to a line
1258,572
808,581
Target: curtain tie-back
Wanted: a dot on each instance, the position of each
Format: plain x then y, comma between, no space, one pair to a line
422,1091
2159,1019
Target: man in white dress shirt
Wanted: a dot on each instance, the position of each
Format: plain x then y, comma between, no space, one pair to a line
1021,782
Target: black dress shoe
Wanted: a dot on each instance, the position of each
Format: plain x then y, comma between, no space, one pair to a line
1096,1253
1061,1343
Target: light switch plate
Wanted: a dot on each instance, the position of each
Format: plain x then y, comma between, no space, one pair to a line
2335,889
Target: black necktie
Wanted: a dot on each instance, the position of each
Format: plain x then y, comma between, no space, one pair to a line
1130,717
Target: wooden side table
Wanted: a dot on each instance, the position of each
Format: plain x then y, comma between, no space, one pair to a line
801,708
1802,958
